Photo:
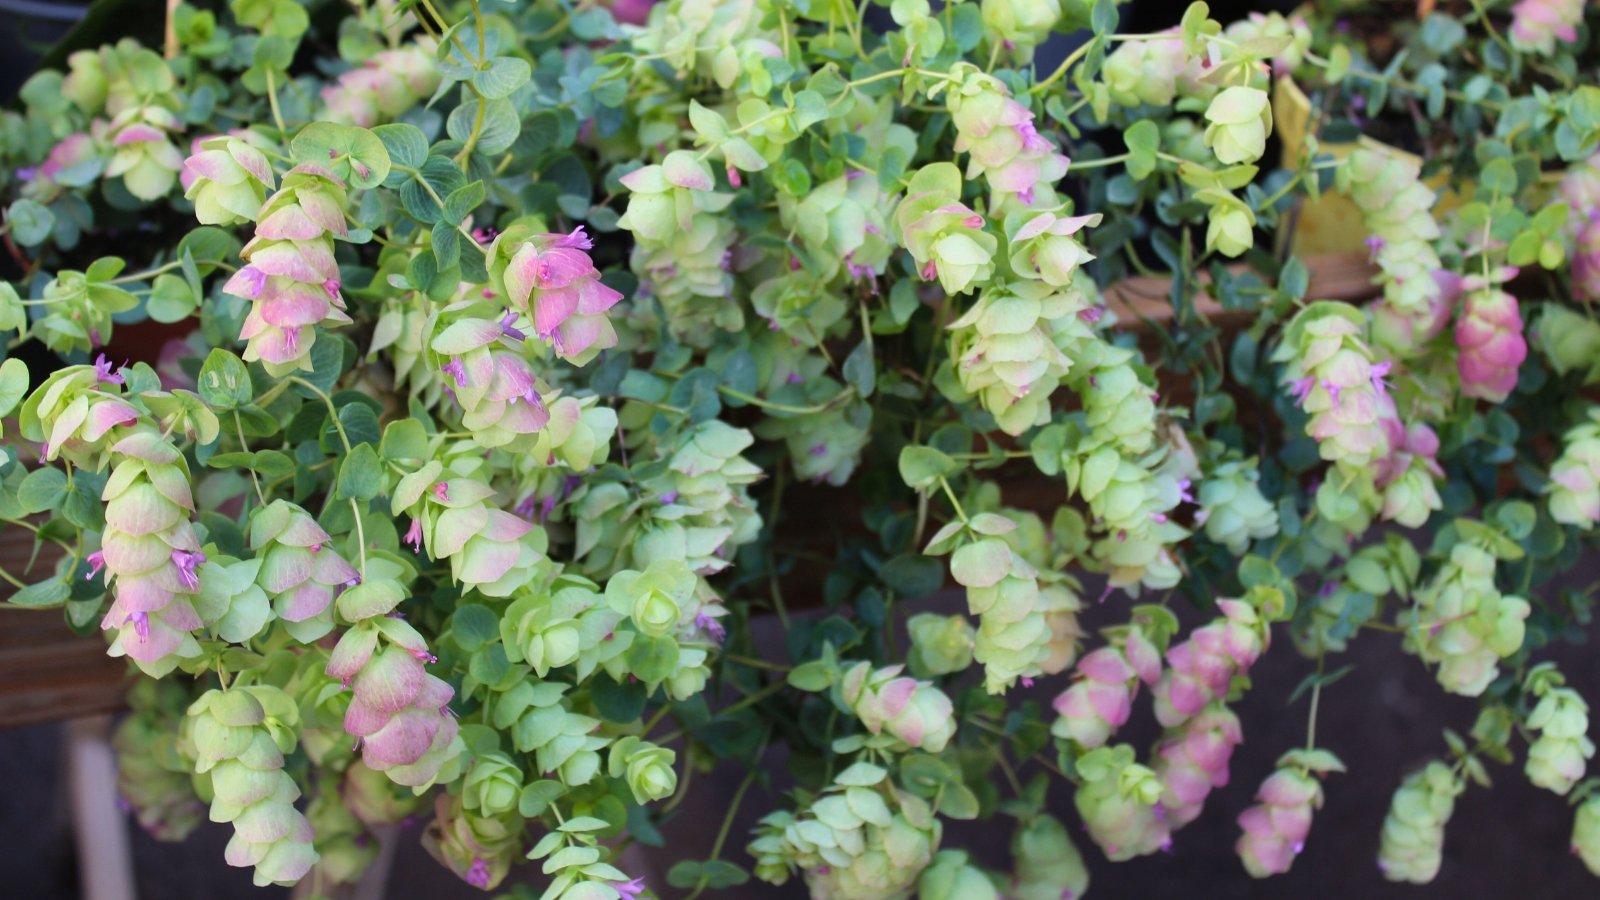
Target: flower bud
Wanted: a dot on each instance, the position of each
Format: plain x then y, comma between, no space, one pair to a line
1235,511
1462,622
1151,72
492,785
1192,758
952,876
1275,829
1586,833
1575,476
1047,864
552,276
1558,757
230,180
1101,699
647,768
940,645
1120,802
1489,334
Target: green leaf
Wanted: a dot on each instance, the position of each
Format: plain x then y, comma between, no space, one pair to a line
53,592
913,575
1103,17
814,676
538,796
224,382
1338,63
860,369
462,201
1144,141
473,624
13,384
406,145
620,702
172,299
31,222
922,467
502,77
42,489
360,424
708,123
354,155
361,474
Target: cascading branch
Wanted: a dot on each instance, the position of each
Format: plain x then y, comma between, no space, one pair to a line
569,406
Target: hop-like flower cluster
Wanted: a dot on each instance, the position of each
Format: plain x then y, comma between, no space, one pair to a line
1580,188
862,839
1120,803
1046,864
552,277
1117,403
398,712
484,366
953,876
940,645
824,447
1006,351
1019,165
1409,476
1233,509
1463,624
228,180
843,223
241,737
552,626
1151,72
1586,833
697,508
1536,25
1489,335
382,87
1575,476
299,571
1201,669
1131,499
344,846
1396,210
1335,379
683,250
915,712
946,239
1192,758
1003,592
290,276
1099,702
478,848
1558,757
455,517
1045,246
1020,25
1238,121
677,612
1275,829
1274,25
1413,831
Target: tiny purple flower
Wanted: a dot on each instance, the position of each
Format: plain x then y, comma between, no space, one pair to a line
629,890
414,536
97,561
455,370
818,450
141,625
441,492
1379,371
670,497
794,378
478,874
332,287
186,562
1184,494
506,328
1374,245
710,626
104,373
1302,389
254,280
1027,682
1333,390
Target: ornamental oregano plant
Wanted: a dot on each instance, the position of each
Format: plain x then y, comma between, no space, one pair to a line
526,355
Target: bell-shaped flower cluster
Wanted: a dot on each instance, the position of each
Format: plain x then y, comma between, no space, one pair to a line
711,38
844,225
399,713
945,238
1412,843
1575,476
1100,700
551,626
77,414
1117,403
1046,865
1020,166
483,364
478,848
1131,500
456,517
1580,188
383,86
241,737
646,768
1337,381
299,572
1201,669
861,839
683,248
1232,508
1396,209
1409,476
228,180
1274,25
1120,803
1489,336
538,717
1020,25
290,276
913,711
1238,121
1004,350
1045,246
940,645
1559,756
697,508
1151,72
1013,638
1463,624
1536,25
1192,758
824,447
346,849
953,876
551,277
1276,828
678,613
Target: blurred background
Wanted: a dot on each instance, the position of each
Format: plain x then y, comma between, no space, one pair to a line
1383,720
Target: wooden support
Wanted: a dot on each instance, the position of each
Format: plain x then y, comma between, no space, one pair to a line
105,859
